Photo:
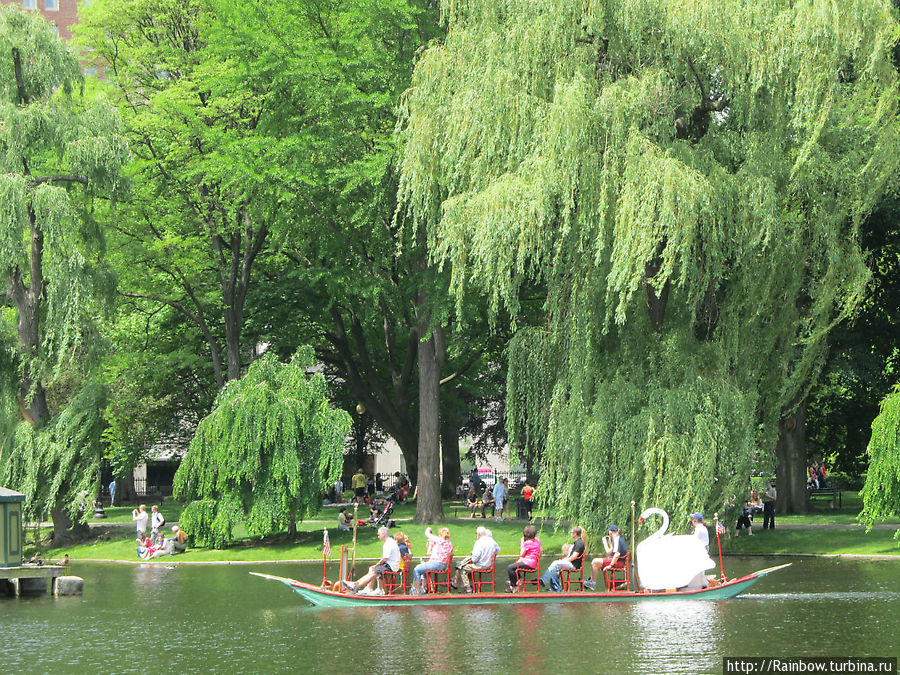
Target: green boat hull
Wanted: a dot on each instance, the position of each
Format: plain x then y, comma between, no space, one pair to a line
321,597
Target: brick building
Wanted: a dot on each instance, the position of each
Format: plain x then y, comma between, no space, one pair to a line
61,13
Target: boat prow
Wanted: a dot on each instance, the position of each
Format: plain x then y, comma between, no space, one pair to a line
323,597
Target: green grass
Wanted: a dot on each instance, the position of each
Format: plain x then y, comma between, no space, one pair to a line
118,544
813,541
122,514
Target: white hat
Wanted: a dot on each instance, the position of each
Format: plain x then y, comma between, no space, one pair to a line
174,528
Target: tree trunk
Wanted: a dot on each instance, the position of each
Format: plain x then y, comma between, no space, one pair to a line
428,504
125,488
451,476
790,454
64,532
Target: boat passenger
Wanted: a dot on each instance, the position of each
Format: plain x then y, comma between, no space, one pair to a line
390,560
700,530
438,558
616,550
483,553
404,544
529,557
572,559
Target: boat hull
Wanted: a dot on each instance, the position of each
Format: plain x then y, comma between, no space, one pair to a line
321,597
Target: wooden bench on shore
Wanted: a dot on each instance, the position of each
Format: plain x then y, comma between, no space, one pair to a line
832,494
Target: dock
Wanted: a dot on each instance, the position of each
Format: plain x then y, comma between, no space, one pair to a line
29,579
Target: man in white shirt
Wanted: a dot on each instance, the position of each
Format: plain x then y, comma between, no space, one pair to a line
140,516
157,520
390,560
338,491
500,496
483,553
700,530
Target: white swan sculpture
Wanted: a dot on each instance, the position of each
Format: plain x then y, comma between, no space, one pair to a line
671,561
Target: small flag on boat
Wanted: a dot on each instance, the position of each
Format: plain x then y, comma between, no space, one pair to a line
720,528
326,545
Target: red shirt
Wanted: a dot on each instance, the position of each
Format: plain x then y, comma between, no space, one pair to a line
527,492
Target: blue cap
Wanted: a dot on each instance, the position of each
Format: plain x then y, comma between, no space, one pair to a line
613,528
697,516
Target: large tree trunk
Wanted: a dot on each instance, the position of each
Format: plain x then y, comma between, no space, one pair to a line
32,398
64,532
790,453
428,504
451,476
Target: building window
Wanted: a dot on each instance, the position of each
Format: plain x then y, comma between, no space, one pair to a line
51,5
29,4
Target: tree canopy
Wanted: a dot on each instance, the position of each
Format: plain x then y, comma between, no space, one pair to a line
685,181
264,454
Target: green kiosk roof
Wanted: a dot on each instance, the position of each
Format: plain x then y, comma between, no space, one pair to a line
11,495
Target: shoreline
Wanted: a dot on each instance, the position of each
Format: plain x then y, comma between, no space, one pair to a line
862,556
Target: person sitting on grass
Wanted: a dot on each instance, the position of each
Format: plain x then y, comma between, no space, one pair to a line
179,540
529,557
390,560
573,559
344,521
438,558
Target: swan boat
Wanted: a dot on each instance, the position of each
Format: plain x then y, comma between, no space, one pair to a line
322,597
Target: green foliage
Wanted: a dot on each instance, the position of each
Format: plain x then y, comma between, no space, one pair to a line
881,493
265,452
683,183
57,465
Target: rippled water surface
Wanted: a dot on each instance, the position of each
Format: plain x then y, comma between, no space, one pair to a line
220,619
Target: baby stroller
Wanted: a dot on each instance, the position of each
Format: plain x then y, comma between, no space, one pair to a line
383,519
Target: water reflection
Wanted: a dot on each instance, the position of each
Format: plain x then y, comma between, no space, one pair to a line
675,636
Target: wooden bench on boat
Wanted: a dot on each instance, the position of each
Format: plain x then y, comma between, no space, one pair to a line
832,494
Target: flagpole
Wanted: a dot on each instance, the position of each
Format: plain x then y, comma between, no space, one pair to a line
325,548
355,523
719,541
636,585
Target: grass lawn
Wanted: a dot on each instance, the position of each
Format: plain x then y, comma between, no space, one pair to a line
818,541
118,543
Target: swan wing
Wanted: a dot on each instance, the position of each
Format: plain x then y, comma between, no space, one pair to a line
671,561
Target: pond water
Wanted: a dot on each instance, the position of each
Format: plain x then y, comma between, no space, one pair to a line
218,618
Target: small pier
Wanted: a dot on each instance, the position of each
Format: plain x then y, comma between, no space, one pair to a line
29,579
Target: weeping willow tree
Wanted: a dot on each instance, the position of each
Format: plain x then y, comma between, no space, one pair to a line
881,493
59,150
264,454
683,182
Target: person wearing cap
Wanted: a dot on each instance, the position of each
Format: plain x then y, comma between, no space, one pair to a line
179,539
768,502
616,551
700,530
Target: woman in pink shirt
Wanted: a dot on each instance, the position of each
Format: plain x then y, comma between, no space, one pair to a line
440,553
529,557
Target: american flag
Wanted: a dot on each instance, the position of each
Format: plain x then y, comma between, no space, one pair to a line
720,528
326,545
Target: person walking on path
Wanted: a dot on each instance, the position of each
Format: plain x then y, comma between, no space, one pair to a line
768,500
500,497
112,492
